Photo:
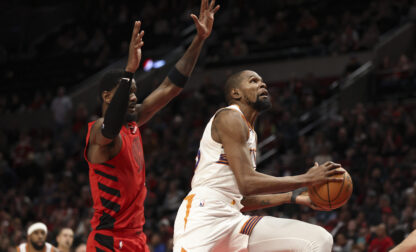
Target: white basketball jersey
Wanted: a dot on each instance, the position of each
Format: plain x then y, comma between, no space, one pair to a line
23,247
212,169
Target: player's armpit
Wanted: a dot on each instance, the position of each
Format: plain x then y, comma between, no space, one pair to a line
101,149
96,136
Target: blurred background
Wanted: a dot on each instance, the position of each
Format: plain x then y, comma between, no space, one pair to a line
341,75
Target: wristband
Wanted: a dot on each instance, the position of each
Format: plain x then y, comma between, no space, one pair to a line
128,75
177,78
296,193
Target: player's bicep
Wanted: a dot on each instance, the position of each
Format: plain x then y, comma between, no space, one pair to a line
233,133
156,101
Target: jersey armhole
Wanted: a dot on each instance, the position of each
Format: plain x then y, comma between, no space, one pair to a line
242,116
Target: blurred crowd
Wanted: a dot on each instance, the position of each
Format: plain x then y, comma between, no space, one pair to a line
396,77
99,33
45,178
43,175
287,29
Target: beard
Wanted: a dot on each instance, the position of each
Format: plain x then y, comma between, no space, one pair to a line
130,117
37,246
261,105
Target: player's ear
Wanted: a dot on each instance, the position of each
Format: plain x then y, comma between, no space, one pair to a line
106,96
236,94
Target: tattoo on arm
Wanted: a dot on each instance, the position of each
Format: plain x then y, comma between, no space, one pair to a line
265,202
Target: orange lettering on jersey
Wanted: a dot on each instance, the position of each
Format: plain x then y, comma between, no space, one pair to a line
188,198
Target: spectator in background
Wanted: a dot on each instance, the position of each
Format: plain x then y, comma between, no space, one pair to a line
341,243
65,239
36,239
61,106
239,48
382,242
370,37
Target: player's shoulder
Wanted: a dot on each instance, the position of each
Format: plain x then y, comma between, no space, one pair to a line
97,124
229,119
227,113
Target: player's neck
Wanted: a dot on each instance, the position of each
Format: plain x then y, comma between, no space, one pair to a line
249,113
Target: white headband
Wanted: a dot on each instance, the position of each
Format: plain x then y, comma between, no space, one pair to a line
37,226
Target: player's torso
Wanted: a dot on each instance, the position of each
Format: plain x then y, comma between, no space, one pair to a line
212,169
118,185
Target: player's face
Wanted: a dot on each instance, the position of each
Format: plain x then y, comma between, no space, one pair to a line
65,238
132,98
38,239
254,91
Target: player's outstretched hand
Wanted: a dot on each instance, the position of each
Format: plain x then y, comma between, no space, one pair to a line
135,48
320,174
205,20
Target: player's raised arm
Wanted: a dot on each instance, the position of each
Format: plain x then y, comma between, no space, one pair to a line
178,76
232,132
116,102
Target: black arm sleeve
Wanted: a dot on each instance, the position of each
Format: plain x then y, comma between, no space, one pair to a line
117,109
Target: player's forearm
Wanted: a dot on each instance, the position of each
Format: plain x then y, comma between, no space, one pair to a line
255,202
114,116
259,183
186,64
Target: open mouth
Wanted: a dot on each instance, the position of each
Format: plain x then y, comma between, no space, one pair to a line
264,94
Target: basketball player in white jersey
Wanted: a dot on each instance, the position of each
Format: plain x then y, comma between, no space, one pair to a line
36,240
226,183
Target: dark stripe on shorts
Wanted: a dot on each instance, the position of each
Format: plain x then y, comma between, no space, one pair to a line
105,241
108,165
108,189
105,175
98,249
248,227
106,222
110,204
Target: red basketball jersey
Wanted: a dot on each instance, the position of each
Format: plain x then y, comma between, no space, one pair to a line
118,185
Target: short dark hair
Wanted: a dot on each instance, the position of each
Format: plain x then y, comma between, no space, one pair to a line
109,81
232,82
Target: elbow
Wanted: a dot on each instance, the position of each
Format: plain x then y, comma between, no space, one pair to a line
246,186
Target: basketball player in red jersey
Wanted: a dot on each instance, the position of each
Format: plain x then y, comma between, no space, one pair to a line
114,146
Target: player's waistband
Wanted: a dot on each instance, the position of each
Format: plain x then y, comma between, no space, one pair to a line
209,193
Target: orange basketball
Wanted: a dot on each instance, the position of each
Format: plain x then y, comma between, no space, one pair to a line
332,195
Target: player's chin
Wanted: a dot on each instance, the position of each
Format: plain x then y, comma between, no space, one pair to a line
131,116
264,97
